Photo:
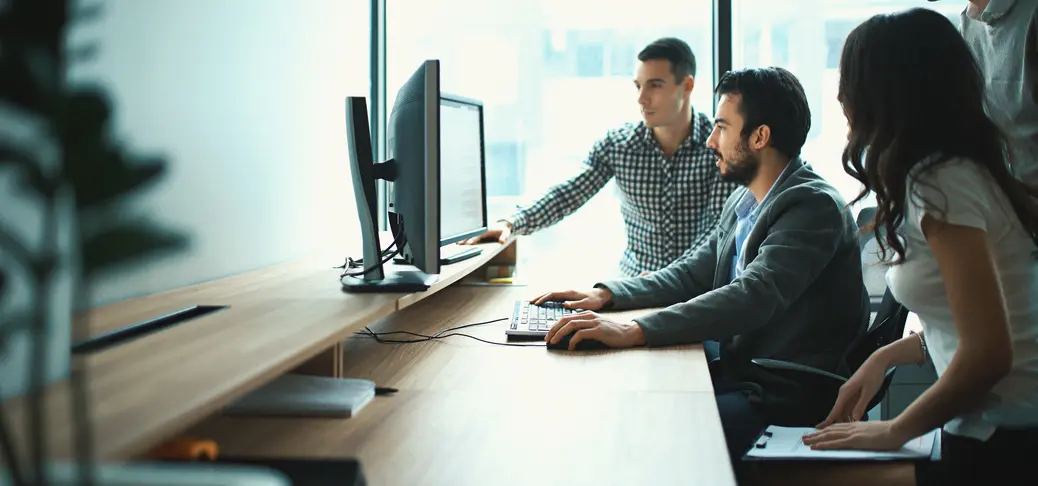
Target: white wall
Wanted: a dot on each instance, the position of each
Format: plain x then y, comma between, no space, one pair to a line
246,98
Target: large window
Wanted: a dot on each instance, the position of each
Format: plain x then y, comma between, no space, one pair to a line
554,76
806,37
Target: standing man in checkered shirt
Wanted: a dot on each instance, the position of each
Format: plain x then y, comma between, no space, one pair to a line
671,190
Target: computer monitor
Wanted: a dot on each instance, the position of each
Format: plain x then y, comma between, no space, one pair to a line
463,209
414,176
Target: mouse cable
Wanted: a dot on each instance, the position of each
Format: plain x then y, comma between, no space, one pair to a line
424,337
440,335
369,332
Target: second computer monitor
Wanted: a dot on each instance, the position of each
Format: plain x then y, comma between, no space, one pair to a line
437,193
463,209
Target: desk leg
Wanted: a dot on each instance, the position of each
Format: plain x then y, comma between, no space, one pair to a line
500,268
328,363
508,256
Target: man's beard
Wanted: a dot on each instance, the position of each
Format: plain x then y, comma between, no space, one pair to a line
743,168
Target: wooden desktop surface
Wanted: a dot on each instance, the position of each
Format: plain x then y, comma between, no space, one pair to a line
467,411
149,389
470,412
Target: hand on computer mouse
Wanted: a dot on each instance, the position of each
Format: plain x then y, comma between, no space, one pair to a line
593,299
499,231
589,325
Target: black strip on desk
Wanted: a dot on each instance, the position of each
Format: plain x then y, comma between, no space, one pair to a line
134,331
308,472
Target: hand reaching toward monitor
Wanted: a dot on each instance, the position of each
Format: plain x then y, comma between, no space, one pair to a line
499,232
594,299
589,325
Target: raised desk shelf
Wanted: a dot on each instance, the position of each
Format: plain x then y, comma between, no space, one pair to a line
147,390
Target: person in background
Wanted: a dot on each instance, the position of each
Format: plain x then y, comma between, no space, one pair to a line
962,232
671,195
1003,37
779,278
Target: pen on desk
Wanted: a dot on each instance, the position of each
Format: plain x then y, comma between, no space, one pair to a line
384,390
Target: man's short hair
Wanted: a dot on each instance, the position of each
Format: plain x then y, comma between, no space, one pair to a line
682,61
774,97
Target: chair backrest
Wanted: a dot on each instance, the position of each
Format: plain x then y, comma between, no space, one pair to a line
872,269
865,217
887,327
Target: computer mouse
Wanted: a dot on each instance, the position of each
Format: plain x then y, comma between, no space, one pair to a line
582,345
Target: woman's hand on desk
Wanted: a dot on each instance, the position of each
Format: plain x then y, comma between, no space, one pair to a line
856,394
841,429
867,436
593,299
589,325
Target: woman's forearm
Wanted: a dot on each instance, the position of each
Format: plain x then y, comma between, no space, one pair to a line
907,350
961,388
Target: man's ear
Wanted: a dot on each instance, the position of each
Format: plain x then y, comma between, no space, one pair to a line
760,137
689,83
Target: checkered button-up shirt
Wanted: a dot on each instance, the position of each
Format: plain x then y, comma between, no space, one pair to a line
669,206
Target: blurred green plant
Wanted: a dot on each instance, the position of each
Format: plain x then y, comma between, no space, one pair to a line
93,169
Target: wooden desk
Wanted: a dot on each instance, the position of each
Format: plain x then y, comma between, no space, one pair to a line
149,389
461,363
468,412
474,413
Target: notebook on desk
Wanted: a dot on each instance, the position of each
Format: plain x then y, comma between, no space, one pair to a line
786,444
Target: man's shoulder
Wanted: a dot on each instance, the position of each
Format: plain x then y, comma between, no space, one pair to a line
728,209
809,190
623,136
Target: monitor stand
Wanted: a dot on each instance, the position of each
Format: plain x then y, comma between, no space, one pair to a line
394,281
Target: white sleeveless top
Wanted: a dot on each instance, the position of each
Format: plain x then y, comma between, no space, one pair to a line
971,198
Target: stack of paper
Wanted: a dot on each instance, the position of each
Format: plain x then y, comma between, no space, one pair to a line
786,443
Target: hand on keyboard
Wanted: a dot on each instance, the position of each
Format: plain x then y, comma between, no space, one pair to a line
593,299
538,319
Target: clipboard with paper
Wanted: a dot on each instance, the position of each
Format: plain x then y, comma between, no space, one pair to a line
786,444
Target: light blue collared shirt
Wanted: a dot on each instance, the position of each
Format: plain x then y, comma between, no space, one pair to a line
746,212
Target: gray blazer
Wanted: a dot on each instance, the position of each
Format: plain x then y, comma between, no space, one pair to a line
800,297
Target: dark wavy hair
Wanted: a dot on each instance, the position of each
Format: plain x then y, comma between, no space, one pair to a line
914,94
774,97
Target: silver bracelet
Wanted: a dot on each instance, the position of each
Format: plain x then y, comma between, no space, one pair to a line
922,347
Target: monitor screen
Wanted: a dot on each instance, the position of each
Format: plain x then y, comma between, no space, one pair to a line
462,198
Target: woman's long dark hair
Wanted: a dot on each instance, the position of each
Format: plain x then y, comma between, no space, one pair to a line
913,93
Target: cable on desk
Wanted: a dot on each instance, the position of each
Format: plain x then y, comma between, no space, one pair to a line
350,263
446,333
386,255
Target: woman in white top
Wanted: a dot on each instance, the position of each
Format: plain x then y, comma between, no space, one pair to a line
961,233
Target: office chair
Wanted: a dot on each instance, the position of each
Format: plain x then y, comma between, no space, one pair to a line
887,327
873,281
865,217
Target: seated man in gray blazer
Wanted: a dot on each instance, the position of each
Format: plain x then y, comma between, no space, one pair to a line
779,278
